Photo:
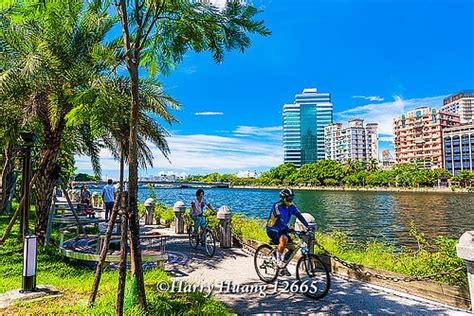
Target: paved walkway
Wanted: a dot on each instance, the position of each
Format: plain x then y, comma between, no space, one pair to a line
236,266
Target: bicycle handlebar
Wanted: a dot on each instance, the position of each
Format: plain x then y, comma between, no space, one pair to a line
308,233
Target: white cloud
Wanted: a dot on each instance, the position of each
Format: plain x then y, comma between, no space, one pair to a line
190,70
384,113
273,132
370,98
209,152
388,139
208,113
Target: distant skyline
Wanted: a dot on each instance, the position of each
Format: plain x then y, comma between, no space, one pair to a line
378,59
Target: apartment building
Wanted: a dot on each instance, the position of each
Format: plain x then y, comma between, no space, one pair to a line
354,142
418,136
461,103
459,148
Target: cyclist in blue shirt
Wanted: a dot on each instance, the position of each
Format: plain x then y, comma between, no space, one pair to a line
277,224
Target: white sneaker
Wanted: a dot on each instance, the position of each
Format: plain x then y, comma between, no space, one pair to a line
280,264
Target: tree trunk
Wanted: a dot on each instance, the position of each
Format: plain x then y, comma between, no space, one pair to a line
45,181
12,221
123,241
123,261
134,232
8,184
103,253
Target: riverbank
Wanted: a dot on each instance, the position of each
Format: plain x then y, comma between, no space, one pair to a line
361,189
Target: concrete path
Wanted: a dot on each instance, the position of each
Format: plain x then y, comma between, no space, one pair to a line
235,267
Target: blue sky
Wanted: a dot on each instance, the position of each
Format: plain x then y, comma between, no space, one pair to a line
377,58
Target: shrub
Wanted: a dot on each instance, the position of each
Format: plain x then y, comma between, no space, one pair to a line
163,212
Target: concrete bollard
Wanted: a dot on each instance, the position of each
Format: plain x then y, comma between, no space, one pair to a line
179,209
465,250
95,199
150,211
224,215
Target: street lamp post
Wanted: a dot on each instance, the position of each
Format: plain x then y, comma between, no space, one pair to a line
28,139
29,246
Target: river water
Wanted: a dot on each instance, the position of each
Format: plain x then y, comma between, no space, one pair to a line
361,215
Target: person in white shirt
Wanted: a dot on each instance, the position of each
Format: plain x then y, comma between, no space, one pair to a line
197,210
108,197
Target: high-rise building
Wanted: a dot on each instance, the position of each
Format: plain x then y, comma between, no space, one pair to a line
355,142
335,142
372,141
303,127
461,103
459,148
418,136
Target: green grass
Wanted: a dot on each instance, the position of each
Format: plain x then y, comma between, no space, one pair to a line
75,281
427,259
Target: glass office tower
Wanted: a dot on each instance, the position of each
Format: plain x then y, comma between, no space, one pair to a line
303,127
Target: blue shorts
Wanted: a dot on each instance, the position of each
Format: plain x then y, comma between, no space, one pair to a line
276,234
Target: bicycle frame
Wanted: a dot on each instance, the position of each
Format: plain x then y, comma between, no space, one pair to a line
200,237
298,247
309,267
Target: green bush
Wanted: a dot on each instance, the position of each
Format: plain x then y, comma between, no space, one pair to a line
249,227
164,212
211,219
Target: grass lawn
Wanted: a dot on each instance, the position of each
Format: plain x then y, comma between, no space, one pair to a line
74,279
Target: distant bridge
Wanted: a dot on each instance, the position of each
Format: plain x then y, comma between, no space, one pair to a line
156,183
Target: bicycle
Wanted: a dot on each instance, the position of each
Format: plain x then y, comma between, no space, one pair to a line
205,236
310,269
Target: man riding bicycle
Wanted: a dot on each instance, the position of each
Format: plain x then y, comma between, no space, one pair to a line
197,210
277,225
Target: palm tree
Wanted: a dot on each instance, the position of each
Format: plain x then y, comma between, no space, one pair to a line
372,165
111,122
348,167
55,51
9,133
109,112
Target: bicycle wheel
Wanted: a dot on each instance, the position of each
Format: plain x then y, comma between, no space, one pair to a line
312,272
209,242
193,239
265,263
